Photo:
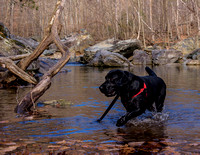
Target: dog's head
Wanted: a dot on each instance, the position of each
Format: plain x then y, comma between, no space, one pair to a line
115,80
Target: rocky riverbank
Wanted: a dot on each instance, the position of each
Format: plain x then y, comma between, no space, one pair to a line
107,53
123,52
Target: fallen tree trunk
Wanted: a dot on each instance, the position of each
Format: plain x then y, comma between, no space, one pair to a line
52,32
12,67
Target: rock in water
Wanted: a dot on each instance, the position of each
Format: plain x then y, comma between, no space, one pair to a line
141,57
106,58
122,47
165,56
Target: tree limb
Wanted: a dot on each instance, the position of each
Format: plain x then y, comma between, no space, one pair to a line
12,67
52,32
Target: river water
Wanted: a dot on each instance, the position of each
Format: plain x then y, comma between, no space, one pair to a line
73,127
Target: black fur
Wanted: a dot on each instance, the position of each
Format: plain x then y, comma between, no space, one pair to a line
127,85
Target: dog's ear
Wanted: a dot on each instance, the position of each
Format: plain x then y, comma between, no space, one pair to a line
128,75
123,79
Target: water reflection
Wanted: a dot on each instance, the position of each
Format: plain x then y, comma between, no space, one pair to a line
148,132
179,121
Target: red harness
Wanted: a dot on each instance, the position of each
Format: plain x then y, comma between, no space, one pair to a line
141,90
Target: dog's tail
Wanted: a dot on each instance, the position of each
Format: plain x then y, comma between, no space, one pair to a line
150,72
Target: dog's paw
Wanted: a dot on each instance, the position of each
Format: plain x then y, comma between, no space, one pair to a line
121,121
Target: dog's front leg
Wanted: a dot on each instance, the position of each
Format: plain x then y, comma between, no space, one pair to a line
129,115
121,121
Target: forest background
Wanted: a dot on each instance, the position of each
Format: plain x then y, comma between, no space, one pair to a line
151,21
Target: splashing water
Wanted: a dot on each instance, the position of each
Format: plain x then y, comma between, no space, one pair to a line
149,118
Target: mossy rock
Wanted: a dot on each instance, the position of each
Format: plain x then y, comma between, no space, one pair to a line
58,103
17,43
8,47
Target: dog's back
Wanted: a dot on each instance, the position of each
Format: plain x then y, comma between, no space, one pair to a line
156,88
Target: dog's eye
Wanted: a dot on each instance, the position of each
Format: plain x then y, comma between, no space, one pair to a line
113,80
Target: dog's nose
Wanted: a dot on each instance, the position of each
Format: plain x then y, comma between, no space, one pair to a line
101,87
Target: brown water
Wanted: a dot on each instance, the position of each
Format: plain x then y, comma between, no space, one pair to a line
72,129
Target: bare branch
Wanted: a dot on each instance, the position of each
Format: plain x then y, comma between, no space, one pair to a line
12,67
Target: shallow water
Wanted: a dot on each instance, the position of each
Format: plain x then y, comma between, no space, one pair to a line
178,124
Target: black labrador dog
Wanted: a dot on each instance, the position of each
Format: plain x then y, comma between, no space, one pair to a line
137,93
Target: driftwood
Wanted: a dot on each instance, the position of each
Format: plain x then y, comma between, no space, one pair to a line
12,67
51,35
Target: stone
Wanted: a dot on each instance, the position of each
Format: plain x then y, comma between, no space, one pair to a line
34,66
25,42
192,62
141,57
49,52
76,44
195,55
122,47
8,47
186,46
166,56
45,64
149,49
104,58
4,32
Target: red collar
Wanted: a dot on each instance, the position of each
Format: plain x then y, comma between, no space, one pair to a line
141,90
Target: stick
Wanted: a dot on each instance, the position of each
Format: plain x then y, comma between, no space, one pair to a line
108,109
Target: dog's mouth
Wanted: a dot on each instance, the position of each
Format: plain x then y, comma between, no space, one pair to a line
108,90
110,94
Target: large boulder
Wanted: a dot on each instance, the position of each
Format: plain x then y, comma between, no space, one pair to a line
76,44
104,58
9,47
12,45
123,47
141,57
165,56
25,42
186,46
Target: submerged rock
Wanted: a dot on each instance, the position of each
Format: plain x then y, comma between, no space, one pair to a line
106,58
58,103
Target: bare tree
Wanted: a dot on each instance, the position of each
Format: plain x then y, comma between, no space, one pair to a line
51,35
153,19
